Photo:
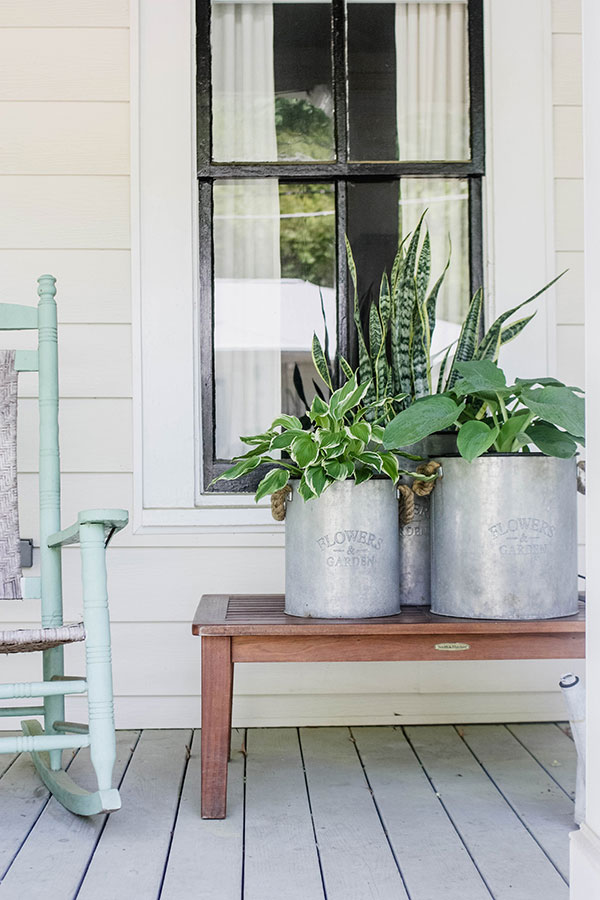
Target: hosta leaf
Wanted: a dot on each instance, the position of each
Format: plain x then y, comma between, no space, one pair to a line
319,408
329,438
361,430
558,405
377,432
551,441
389,464
305,490
285,439
320,362
426,416
304,450
338,469
257,438
285,421
273,481
353,399
474,438
372,459
338,398
241,468
467,341
316,479
362,474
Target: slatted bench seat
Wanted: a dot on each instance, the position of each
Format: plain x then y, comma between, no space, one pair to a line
248,628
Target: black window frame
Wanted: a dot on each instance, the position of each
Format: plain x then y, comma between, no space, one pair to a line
340,172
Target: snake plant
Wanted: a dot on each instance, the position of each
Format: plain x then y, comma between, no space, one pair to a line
395,351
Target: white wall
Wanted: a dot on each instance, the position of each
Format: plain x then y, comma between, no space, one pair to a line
64,195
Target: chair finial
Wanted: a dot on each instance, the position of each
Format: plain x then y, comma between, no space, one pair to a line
47,285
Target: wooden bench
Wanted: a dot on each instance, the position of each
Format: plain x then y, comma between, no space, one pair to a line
246,628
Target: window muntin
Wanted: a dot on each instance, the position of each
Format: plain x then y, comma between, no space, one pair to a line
385,177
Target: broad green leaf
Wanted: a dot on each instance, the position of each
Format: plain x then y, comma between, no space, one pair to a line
467,340
285,421
474,438
257,438
426,416
510,430
362,474
338,397
316,479
551,441
558,405
352,400
318,408
480,376
305,490
241,468
273,481
327,438
304,450
361,430
320,362
389,464
377,432
338,469
285,439
372,459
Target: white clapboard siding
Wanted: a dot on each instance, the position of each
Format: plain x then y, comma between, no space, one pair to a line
95,435
568,147
571,358
566,16
64,64
569,290
69,13
569,222
64,138
566,70
85,368
78,211
92,285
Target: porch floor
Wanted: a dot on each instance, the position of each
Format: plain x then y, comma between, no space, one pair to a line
416,813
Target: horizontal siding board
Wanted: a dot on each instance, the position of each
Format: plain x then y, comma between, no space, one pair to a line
569,290
64,64
64,211
64,13
568,228
95,435
566,16
92,285
64,138
566,70
568,142
570,341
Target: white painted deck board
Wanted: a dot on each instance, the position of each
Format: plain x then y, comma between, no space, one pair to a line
280,854
464,842
356,858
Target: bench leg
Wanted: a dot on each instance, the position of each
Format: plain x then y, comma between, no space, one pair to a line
217,687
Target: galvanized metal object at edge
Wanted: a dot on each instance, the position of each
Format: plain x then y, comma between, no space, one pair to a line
342,552
504,538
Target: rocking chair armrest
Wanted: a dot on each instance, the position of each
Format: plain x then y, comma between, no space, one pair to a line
112,519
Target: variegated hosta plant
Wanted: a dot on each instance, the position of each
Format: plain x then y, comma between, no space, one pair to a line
395,353
340,444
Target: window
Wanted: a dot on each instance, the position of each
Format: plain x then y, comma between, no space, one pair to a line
316,120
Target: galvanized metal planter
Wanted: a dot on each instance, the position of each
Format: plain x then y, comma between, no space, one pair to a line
342,552
504,538
415,546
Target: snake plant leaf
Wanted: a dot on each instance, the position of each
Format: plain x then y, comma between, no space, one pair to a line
285,421
338,469
511,331
285,439
419,357
402,325
316,479
474,438
423,269
440,382
422,418
273,481
509,431
362,474
346,367
299,385
431,302
320,362
240,468
304,450
324,317
467,341
364,362
551,441
398,264
557,405
385,302
480,376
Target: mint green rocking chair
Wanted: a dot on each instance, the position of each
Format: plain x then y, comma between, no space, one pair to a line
93,530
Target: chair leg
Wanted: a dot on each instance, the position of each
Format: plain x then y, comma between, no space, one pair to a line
98,653
54,707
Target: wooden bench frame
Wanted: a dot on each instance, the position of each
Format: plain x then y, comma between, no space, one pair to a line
248,628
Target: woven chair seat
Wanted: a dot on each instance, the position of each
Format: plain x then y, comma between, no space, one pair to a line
26,640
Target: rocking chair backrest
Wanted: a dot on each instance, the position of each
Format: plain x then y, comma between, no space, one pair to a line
45,361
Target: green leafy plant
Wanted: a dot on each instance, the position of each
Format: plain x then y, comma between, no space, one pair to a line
340,444
491,415
395,350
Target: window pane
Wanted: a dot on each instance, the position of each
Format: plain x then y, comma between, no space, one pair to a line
272,87
408,80
379,212
274,260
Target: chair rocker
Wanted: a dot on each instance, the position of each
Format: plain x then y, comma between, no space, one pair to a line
93,530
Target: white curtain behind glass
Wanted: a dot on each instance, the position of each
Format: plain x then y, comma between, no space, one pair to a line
433,124
247,256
